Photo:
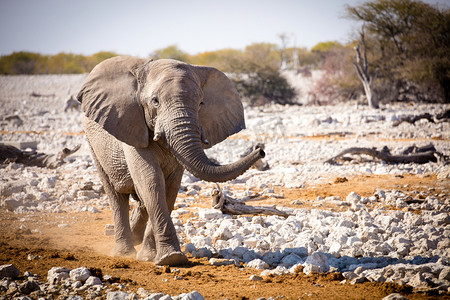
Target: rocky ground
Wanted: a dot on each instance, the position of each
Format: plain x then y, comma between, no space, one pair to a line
358,228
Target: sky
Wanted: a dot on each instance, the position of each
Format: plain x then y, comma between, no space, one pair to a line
139,27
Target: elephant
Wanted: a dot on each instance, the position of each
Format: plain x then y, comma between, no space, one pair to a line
146,121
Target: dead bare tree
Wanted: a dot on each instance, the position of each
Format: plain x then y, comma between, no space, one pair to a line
10,154
362,69
413,154
233,207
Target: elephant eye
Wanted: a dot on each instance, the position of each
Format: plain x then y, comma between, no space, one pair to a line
202,103
155,101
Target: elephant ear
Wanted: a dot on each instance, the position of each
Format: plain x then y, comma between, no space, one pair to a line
221,113
109,97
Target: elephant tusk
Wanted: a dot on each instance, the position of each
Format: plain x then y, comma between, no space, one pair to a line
157,137
203,136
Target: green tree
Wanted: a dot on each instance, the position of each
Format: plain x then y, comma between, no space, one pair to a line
261,56
225,60
260,80
21,63
172,52
411,40
96,58
67,63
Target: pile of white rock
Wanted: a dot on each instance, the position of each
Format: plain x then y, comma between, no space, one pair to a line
366,242
362,243
75,284
31,189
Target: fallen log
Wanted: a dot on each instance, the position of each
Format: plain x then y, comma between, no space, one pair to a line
11,154
233,207
413,119
413,154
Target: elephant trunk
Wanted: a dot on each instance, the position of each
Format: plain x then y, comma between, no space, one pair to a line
184,140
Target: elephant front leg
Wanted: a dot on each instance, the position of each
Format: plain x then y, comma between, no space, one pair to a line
160,243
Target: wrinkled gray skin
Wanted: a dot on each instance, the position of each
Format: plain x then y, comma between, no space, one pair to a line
147,121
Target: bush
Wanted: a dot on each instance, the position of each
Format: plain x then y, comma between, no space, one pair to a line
265,86
258,76
172,52
21,63
61,63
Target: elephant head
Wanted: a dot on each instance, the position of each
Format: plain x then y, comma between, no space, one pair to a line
183,107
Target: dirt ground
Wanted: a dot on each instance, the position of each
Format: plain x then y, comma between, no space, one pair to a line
41,244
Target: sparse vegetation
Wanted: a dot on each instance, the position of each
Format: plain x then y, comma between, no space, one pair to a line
407,44
61,63
258,76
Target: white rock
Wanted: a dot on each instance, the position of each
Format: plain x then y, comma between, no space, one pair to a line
444,173
317,262
291,259
223,262
65,198
280,270
47,182
56,274
109,229
335,249
77,285
79,274
353,198
258,264
93,209
143,293
202,252
395,296
255,278
251,242
418,281
223,233
194,295
118,295
346,223
89,194
201,241
445,274
9,188
210,214
92,280
158,296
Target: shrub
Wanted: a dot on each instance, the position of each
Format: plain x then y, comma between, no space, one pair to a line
264,86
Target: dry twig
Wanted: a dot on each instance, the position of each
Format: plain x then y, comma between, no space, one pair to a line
233,207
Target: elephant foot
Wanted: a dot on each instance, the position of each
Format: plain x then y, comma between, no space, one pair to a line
146,255
172,259
123,251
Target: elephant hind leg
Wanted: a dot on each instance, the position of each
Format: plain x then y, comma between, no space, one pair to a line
138,220
120,207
